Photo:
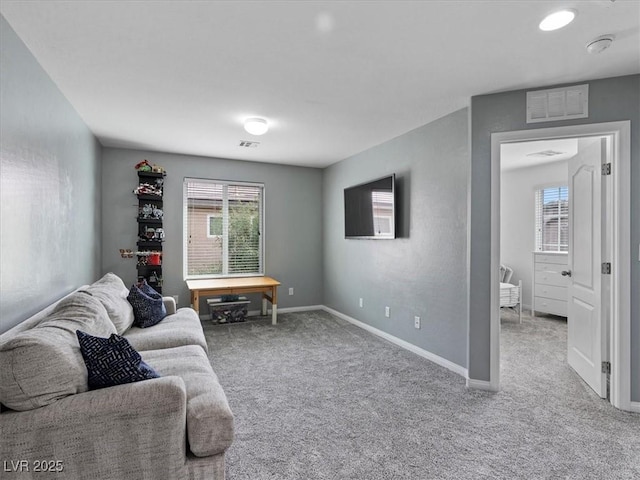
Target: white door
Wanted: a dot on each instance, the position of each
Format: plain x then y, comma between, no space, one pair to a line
586,335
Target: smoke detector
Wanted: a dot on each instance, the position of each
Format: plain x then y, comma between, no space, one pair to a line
600,44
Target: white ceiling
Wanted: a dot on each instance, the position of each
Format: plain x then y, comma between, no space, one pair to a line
535,153
333,78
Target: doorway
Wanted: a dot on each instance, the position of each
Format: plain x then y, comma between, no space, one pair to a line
616,207
538,226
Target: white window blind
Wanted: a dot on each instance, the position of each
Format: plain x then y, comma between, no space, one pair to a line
223,224
552,219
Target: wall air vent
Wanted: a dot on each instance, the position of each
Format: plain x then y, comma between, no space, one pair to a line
248,144
558,104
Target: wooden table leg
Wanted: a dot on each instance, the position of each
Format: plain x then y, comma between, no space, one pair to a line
195,301
274,305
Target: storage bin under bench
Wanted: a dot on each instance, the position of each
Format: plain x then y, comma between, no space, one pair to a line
224,310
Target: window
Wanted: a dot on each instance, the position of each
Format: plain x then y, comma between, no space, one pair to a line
223,224
552,219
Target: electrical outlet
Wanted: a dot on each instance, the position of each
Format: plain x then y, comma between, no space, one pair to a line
361,303
387,312
416,322
290,290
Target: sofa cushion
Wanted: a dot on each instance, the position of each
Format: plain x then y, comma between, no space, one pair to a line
112,361
209,418
43,364
112,293
181,328
148,306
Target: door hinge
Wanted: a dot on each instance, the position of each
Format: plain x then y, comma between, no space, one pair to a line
606,268
606,169
606,367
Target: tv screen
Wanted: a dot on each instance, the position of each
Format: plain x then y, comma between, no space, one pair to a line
369,209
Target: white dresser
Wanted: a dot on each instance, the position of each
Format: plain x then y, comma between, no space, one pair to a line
549,286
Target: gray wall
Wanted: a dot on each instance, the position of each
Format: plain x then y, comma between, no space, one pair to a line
422,273
611,99
293,219
49,191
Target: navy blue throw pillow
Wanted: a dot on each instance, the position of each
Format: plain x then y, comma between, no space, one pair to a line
148,307
112,361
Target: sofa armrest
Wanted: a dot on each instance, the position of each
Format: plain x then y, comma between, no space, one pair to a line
136,430
170,305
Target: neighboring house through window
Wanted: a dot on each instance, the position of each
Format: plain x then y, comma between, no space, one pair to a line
552,219
223,223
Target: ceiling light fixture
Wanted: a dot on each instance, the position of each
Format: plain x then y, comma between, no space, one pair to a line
557,20
256,125
600,44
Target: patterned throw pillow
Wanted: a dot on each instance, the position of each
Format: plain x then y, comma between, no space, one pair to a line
148,306
112,361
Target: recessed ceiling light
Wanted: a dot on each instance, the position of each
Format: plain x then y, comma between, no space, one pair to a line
256,125
557,20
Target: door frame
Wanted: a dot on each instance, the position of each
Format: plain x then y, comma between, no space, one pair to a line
617,205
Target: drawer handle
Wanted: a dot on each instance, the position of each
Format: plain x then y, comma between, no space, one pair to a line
566,273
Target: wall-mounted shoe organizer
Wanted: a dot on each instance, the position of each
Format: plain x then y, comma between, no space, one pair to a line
150,232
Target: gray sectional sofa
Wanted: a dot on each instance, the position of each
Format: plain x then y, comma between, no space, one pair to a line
177,426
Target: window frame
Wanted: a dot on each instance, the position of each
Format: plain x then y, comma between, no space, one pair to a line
225,261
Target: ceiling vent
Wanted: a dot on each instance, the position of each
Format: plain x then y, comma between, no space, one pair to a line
248,144
545,154
558,104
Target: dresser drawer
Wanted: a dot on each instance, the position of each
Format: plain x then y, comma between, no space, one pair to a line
549,267
551,291
559,259
551,278
549,305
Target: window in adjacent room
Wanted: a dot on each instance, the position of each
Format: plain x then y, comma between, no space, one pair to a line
223,223
552,219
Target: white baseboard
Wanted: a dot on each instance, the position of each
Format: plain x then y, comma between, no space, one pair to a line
443,362
308,308
479,384
634,407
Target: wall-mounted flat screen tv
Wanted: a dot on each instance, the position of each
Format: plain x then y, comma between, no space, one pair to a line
369,209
